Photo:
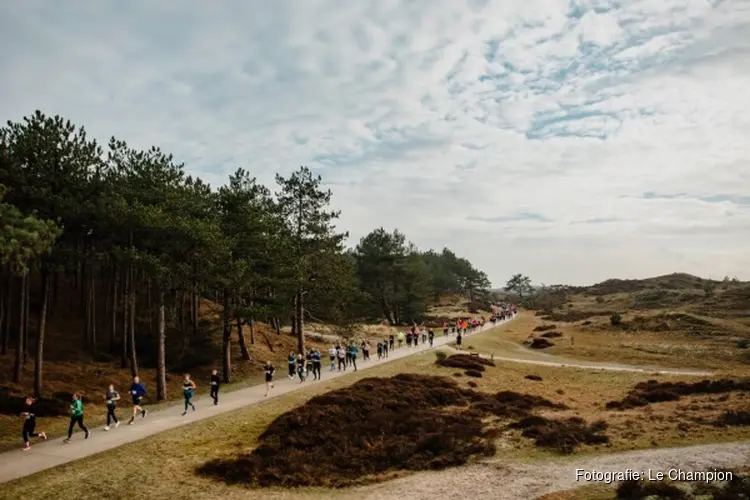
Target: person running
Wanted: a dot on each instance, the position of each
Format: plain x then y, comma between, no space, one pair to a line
401,337
332,357
301,367
29,424
380,350
408,340
365,351
269,371
391,341
445,329
112,398
316,362
385,346
188,386
431,336
137,391
341,355
353,351
458,339
348,353
76,417
424,336
291,361
215,384
308,364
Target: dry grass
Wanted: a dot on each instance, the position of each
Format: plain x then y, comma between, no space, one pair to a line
79,373
166,462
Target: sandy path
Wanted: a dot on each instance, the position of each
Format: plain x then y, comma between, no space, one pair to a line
502,480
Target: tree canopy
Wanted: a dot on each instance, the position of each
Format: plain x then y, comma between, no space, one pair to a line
131,228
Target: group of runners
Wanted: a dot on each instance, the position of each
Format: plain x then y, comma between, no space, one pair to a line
341,356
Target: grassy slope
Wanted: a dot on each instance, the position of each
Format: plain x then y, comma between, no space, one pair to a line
68,368
166,462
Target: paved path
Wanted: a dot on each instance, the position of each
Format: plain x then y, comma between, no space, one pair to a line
18,463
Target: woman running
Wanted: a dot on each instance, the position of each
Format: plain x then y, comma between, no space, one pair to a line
188,386
301,367
215,384
29,424
269,370
112,398
76,417
291,361
458,339
341,355
353,351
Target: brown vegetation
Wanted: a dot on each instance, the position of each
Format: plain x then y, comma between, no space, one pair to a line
375,427
562,435
653,391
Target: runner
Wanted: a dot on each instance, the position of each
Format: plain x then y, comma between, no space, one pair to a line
391,342
348,353
137,391
188,386
445,329
291,360
76,417
431,336
215,384
308,364
385,346
301,367
269,370
332,356
29,424
365,351
316,364
408,339
380,350
340,354
112,398
458,339
424,336
353,351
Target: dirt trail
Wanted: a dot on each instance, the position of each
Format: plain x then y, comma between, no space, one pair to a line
503,480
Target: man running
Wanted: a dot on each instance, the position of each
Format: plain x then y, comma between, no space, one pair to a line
29,424
353,351
341,355
365,350
188,386
215,384
269,371
76,417
316,362
385,346
137,391
380,350
301,367
431,336
391,341
291,361
112,398
332,357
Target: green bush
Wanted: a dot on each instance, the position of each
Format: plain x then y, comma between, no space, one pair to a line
440,355
615,319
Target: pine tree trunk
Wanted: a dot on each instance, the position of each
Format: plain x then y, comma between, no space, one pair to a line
150,308
251,324
183,327
299,312
131,327
19,340
26,302
161,363
39,358
92,309
227,338
125,317
243,344
3,315
86,301
113,326
276,324
8,315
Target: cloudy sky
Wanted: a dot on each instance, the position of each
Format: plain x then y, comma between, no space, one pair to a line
571,140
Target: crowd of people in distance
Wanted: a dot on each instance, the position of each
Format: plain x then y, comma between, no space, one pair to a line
342,355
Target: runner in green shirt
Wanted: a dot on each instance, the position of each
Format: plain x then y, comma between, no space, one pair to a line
76,417
112,398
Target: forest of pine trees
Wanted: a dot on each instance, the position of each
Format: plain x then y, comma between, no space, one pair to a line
135,244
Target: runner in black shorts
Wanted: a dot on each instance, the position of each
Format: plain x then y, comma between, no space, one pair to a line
269,371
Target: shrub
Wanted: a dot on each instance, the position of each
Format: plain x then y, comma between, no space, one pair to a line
743,344
640,490
562,435
615,319
533,377
540,343
473,373
440,355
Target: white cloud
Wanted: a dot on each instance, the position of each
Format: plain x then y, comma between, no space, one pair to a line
428,115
